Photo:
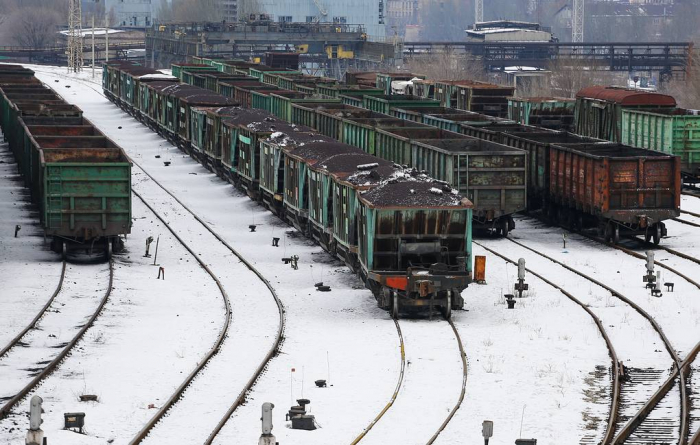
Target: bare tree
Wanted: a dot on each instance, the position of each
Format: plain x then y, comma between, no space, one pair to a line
34,27
447,66
687,92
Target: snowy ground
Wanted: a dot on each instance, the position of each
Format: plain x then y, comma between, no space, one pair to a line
545,358
29,271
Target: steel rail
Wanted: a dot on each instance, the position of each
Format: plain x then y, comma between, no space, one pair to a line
280,306
649,406
210,354
394,395
667,343
463,356
38,316
689,223
615,405
697,215
5,410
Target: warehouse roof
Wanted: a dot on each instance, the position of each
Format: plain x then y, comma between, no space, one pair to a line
626,96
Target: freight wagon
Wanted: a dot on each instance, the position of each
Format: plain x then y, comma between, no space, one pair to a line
599,109
492,176
407,235
481,97
548,112
674,131
79,179
621,189
537,145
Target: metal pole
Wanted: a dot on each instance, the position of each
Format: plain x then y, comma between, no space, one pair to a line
155,256
107,39
93,46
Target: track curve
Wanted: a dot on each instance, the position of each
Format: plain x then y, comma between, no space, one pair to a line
51,366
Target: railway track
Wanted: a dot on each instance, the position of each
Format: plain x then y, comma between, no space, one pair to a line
47,340
415,333
640,384
144,433
273,350
615,362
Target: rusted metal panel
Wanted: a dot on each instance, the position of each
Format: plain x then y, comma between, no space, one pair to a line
625,184
480,268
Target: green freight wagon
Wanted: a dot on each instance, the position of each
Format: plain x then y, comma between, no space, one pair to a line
384,104
554,113
424,88
599,109
228,87
281,103
260,71
85,187
308,114
384,80
674,131
395,144
355,101
416,114
178,69
362,133
262,100
243,93
194,78
335,91
492,176
454,122
330,122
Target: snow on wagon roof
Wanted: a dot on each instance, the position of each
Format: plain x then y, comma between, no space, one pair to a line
626,96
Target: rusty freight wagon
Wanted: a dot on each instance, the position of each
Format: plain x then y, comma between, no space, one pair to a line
536,144
622,190
599,109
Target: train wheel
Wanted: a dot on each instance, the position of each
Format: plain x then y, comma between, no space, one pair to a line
505,228
109,249
447,310
608,233
657,234
647,235
394,305
616,234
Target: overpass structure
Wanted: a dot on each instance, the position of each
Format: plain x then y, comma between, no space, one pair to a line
331,47
56,55
669,60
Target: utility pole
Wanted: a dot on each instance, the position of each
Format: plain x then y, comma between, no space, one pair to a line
578,21
107,38
93,46
75,36
479,13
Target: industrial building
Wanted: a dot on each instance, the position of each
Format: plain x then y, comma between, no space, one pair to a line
369,13
508,31
130,13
